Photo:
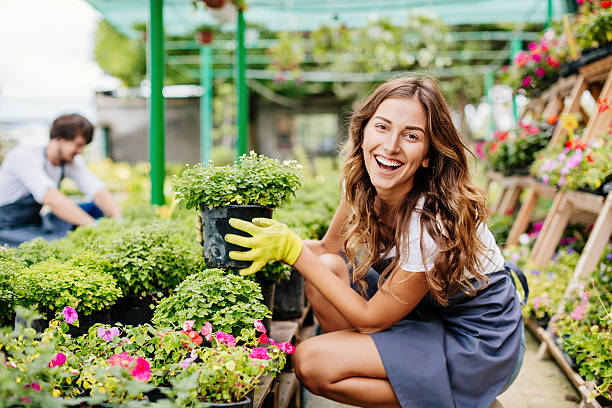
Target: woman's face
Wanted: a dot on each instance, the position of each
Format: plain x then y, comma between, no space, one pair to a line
395,146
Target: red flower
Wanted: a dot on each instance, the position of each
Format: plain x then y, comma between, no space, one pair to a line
552,119
568,144
606,4
589,158
602,105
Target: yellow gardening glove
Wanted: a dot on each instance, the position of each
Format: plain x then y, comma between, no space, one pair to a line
270,241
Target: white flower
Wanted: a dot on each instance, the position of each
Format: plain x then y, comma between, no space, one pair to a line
524,239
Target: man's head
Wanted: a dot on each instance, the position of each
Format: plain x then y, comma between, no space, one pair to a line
69,135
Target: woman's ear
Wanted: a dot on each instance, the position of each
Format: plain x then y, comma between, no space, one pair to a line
425,162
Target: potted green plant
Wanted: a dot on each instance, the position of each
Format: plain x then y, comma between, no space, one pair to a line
81,282
250,188
229,302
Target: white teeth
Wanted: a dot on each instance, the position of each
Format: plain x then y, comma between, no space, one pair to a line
388,162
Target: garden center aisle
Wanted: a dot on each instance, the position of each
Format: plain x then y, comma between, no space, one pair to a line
540,384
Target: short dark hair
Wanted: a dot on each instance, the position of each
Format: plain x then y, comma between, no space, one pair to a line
70,126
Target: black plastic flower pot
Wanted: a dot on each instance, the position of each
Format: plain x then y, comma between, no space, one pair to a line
594,54
245,403
215,225
289,297
133,310
569,68
267,291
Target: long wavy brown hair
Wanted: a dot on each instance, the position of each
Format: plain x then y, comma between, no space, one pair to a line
454,207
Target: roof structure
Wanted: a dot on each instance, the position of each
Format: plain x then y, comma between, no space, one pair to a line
182,16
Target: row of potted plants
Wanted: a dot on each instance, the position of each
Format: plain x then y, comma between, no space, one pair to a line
189,365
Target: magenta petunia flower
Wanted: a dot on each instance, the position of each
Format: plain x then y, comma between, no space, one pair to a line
260,353
70,315
141,370
108,334
540,72
60,359
263,339
287,347
526,81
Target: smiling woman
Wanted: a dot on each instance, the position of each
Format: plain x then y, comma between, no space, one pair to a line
408,284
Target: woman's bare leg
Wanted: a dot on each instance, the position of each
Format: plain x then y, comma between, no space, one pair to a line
344,366
328,317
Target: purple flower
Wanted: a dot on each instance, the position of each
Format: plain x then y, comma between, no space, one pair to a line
609,256
545,179
108,334
535,272
551,276
70,315
569,250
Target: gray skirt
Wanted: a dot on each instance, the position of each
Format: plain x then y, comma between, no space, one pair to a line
460,355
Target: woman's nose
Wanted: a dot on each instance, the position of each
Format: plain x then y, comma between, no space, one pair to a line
392,142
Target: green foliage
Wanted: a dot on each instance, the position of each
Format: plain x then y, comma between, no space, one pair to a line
513,152
120,56
37,250
152,258
254,179
227,301
594,29
8,267
80,283
500,226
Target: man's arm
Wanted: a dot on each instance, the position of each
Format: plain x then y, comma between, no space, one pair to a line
65,208
107,204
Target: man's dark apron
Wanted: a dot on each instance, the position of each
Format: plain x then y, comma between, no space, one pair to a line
20,221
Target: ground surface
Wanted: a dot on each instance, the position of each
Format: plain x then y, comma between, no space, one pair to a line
540,384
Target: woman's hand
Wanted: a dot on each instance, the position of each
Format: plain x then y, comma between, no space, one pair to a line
270,241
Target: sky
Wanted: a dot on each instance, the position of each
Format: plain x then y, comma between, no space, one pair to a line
46,59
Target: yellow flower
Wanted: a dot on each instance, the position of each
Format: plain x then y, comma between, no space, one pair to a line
56,393
569,123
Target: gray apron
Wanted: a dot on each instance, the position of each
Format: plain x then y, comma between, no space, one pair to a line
20,221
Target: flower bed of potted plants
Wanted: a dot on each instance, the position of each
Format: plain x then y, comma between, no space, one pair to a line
249,188
512,152
583,329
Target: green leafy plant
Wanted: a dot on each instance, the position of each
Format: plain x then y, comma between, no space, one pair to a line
8,267
229,302
254,179
81,282
152,258
594,26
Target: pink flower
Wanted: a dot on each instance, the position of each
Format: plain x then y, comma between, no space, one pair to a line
260,353
188,325
287,347
123,360
260,327
141,370
33,386
26,400
263,339
207,331
70,315
526,81
60,359
185,363
226,338
537,58
532,46
579,312
540,72
108,334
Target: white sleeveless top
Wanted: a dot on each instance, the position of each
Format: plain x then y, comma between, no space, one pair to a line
410,256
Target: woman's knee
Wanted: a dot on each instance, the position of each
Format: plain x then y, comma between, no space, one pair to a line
308,368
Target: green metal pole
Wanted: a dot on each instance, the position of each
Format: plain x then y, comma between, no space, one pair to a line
156,107
489,82
243,92
516,44
206,123
549,14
